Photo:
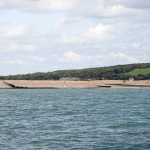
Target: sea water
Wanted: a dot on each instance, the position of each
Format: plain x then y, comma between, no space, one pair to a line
73,119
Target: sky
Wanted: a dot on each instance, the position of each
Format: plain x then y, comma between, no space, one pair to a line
48,35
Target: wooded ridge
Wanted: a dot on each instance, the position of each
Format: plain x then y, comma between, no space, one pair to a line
118,72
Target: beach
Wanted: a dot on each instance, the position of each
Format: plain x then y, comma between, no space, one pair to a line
7,84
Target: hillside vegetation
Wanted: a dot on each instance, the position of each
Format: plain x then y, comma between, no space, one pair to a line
136,72
120,72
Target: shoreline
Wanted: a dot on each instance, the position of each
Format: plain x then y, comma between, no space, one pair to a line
57,84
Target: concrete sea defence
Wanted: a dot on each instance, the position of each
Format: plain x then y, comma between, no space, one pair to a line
51,84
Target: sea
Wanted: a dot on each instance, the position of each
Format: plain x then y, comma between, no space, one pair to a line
75,119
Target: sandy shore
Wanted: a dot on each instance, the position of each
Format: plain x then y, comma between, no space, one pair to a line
73,84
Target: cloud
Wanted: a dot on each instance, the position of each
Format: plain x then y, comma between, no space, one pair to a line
104,58
72,59
23,60
38,5
119,56
95,34
21,48
140,47
63,22
13,62
129,3
136,45
15,32
36,58
71,56
97,8
100,32
55,5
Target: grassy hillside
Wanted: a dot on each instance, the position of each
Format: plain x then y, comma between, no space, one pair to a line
136,72
119,72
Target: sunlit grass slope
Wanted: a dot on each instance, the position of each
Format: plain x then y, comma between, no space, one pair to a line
139,71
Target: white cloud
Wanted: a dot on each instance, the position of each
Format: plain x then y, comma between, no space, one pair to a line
129,3
36,58
88,8
21,48
38,5
23,60
102,8
100,32
15,32
119,56
1,3
13,62
55,5
96,34
72,57
136,45
58,26
140,47
118,10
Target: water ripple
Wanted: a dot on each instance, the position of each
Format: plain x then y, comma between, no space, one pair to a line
72,119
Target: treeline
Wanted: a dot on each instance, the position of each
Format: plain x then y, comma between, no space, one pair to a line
111,73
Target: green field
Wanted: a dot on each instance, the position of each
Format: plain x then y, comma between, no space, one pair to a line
139,71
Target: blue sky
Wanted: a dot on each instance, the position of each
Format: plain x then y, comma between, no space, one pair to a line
48,35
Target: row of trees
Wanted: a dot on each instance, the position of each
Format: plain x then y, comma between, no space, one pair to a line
112,73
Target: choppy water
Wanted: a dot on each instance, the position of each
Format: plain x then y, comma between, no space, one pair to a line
72,119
